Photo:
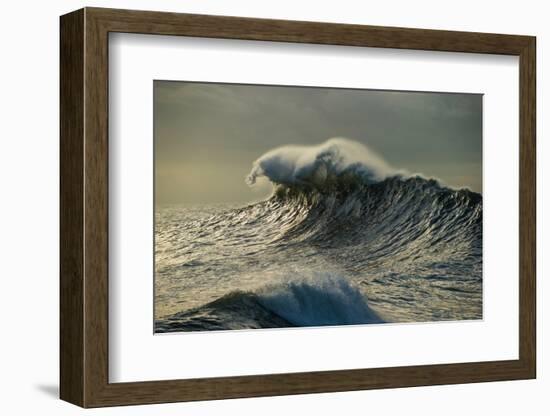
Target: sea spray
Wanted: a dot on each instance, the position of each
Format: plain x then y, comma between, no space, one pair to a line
317,298
320,165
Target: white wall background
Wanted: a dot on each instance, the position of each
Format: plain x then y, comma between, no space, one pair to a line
29,209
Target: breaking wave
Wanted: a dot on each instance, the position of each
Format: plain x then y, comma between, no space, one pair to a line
317,299
345,204
320,166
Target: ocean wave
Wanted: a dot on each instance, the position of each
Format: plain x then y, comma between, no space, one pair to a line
320,298
295,299
392,214
412,243
321,166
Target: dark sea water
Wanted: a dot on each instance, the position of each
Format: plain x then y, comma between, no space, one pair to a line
332,246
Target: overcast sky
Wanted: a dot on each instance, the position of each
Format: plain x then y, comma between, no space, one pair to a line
208,135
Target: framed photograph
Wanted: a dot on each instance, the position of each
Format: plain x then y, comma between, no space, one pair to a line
255,207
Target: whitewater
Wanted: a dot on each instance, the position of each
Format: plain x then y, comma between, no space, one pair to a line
344,239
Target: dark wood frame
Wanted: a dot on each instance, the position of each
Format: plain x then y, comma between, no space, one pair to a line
84,207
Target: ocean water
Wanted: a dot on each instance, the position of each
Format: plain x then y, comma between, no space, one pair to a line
342,240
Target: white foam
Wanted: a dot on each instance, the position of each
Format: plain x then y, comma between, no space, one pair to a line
313,165
314,299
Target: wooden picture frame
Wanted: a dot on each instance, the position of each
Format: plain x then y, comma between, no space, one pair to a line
84,207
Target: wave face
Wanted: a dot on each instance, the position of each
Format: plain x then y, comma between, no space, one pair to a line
344,239
317,300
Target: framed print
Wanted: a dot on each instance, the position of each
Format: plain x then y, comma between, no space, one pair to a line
255,207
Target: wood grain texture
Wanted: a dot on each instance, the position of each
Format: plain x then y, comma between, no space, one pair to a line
162,23
84,207
71,208
96,208
527,208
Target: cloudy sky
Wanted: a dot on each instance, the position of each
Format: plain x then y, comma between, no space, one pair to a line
207,135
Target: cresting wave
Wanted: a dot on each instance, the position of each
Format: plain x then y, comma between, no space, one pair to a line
321,189
409,245
321,167
317,299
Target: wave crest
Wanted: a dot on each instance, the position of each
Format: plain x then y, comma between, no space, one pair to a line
317,299
330,163
297,298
